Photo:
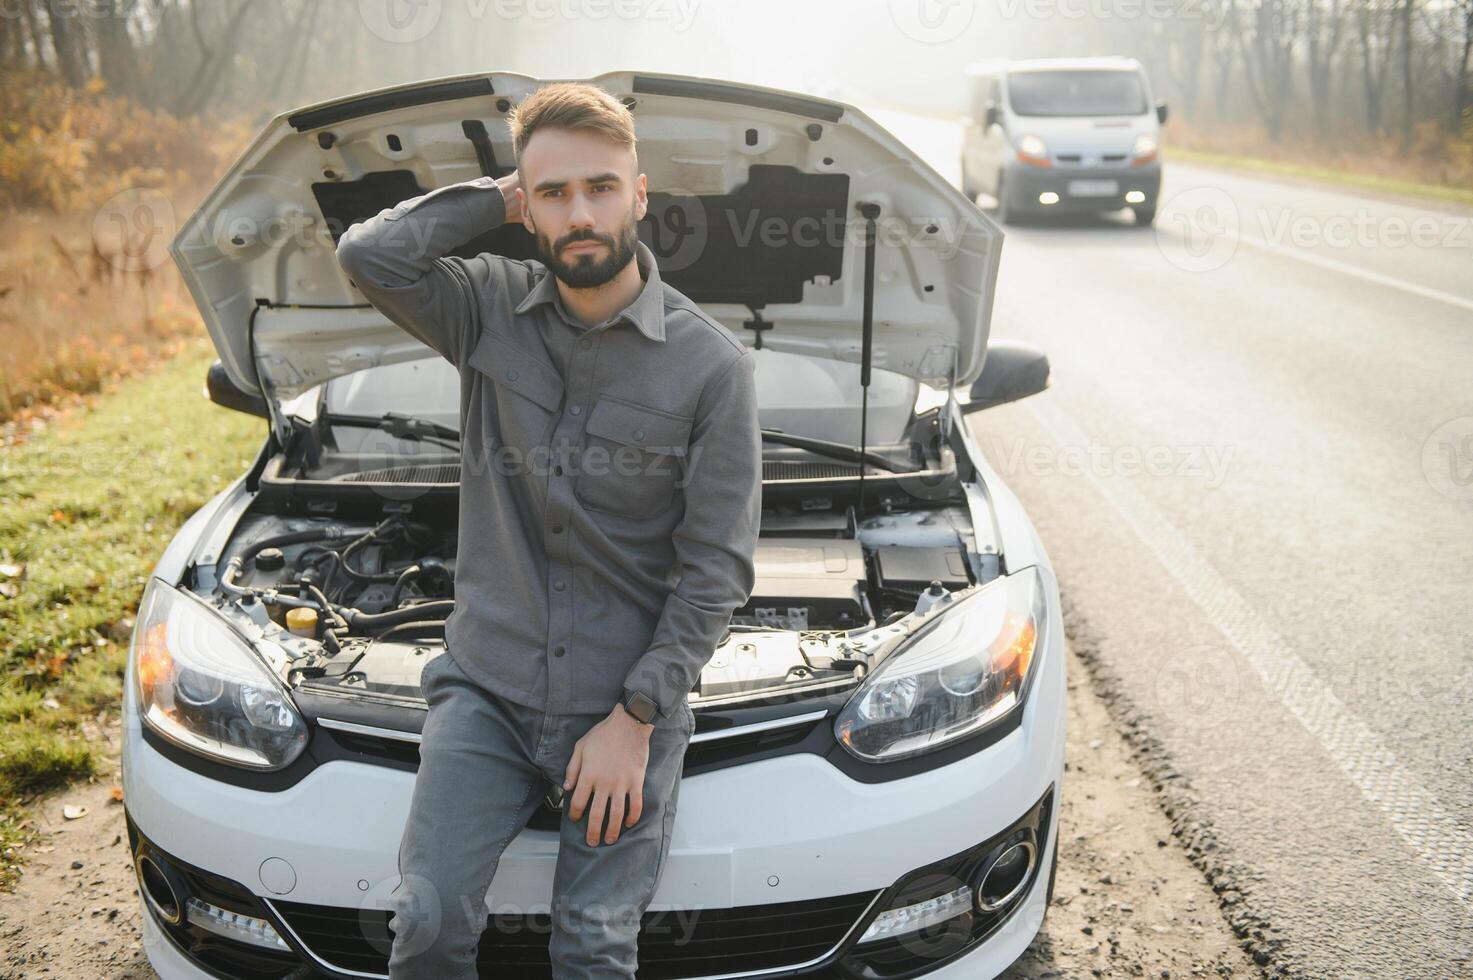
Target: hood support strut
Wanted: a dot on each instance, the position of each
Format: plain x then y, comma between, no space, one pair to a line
280,426
871,213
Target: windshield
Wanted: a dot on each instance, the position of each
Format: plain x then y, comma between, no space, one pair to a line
1076,93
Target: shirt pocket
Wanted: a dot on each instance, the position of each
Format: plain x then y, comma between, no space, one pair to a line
513,369
631,458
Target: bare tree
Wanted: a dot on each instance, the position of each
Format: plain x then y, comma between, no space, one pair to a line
1267,48
1324,32
69,40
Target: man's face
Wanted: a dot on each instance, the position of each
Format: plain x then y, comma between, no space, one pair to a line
582,201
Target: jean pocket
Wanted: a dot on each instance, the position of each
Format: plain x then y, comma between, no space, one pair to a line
430,673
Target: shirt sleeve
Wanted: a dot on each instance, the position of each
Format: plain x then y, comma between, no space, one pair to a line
397,260
714,541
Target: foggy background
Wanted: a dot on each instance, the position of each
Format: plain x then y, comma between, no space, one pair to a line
1335,71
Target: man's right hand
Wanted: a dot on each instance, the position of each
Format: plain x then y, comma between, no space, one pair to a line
509,185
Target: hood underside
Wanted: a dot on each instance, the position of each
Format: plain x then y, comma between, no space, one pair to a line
754,209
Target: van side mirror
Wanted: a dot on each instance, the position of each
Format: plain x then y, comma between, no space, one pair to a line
1013,370
993,115
1160,112
222,391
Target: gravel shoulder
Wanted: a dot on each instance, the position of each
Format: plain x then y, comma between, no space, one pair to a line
1127,903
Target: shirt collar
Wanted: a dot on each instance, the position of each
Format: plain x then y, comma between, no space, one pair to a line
647,311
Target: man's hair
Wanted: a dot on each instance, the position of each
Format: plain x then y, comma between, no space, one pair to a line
570,105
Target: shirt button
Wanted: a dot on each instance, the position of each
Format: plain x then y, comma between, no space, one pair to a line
576,409
511,375
559,585
557,529
585,343
559,652
639,434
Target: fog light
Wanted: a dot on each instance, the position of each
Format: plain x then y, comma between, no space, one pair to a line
159,889
913,918
1002,879
1048,197
233,925
1135,197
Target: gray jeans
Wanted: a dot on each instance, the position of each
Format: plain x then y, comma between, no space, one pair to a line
485,764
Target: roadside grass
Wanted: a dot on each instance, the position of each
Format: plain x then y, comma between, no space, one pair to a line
1286,168
87,505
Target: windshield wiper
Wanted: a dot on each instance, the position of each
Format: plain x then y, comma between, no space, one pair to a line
833,450
400,426
411,427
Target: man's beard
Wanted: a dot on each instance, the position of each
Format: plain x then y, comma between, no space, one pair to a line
584,272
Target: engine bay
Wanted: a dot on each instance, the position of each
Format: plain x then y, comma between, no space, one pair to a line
356,608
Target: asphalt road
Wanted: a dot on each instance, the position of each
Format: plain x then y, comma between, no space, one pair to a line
1254,474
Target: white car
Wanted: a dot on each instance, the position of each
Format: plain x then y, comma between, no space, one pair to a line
873,786
1063,135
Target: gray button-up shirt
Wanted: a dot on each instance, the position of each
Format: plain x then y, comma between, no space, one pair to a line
610,476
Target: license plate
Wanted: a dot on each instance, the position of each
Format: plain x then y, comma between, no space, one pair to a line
1093,188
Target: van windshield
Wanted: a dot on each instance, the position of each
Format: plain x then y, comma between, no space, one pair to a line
1076,93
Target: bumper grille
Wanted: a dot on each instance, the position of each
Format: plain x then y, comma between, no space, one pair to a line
671,944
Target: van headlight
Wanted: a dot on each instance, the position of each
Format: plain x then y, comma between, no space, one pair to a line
1033,146
202,687
966,671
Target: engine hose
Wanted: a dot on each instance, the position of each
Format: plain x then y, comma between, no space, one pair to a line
413,625
405,577
439,609
360,542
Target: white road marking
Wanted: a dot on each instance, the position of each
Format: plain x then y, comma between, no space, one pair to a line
1423,822
1349,269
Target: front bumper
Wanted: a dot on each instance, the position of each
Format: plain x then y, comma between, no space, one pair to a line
1025,184
791,832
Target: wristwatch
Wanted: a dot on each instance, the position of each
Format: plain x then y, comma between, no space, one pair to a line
641,706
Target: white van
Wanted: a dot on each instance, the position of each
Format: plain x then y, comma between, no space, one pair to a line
1053,135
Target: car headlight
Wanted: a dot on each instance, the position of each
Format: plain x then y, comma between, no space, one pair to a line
1145,145
1033,147
202,687
970,668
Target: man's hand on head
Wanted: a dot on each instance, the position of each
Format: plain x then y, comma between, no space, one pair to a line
509,185
607,765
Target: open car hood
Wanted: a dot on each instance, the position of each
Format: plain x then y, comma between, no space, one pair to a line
755,198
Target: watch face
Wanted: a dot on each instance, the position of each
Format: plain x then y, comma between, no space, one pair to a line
641,707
